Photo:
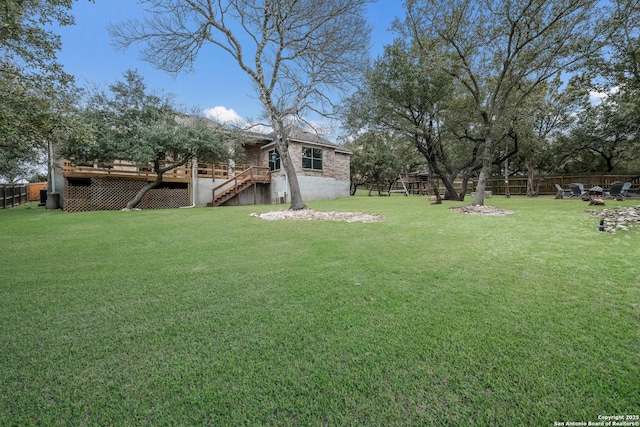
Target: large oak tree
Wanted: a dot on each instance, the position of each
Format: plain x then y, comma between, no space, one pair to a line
404,95
36,95
500,51
295,52
131,123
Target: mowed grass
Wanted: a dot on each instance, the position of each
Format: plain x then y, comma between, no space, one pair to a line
210,316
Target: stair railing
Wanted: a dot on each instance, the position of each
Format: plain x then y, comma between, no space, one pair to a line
252,174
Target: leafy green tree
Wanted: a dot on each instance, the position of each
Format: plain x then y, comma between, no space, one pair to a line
607,135
30,123
378,158
36,95
605,138
405,95
131,124
547,114
295,52
28,47
500,51
23,123
620,62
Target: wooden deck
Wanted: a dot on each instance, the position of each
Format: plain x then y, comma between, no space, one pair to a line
127,170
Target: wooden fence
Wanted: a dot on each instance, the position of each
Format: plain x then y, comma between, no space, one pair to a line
416,184
33,190
12,195
547,184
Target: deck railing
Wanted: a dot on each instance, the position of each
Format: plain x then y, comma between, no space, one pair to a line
123,169
252,174
218,170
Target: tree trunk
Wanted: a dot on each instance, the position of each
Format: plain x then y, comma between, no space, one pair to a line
354,188
434,187
465,186
450,193
159,172
531,190
507,191
484,173
282,145
140,194
424,145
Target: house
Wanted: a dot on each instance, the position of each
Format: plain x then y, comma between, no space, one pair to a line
322,168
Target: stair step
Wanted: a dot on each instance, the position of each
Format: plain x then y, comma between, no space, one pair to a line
230,193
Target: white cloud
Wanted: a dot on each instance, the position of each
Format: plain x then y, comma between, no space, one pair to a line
598,97
228,116
258,128
224,115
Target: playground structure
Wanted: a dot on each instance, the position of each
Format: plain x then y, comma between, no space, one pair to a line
415,183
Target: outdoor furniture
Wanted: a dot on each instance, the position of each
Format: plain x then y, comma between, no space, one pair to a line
596,191
615,190
562,192
633,192
625,189
577,190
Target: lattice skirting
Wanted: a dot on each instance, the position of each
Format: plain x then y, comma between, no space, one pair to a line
114,194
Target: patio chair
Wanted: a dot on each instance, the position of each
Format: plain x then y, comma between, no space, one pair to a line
625,189
562,192
615,191
577,190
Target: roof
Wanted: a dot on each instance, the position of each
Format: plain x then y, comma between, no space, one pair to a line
295,134
312,138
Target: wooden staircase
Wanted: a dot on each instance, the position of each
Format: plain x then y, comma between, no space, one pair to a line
236,185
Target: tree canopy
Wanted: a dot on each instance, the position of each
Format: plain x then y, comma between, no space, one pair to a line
36,95
295,52
406,95
514,78
130,123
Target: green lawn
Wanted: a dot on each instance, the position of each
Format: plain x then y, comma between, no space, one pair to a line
209,316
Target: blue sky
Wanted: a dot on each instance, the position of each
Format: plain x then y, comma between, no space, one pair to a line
216,80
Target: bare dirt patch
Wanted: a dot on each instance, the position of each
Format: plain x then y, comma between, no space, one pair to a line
482,210
311,215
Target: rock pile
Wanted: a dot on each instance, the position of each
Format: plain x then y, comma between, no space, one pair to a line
618,219
482,210
311,215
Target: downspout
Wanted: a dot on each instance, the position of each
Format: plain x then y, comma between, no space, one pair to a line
53,198
194,171
52,175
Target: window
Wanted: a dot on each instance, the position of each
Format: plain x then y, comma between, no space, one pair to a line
312,158
274,160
